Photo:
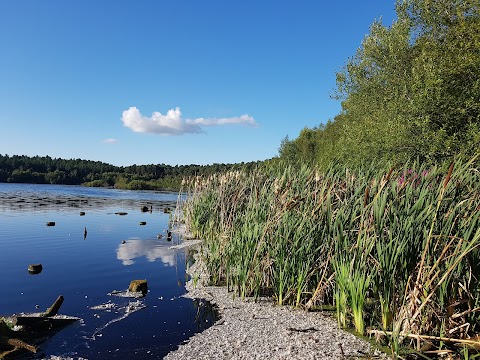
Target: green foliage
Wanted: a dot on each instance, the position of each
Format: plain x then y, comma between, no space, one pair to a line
410,92
45,170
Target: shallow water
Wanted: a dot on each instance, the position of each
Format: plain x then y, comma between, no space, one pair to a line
116,250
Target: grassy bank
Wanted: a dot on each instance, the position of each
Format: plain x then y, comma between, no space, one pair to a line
396,251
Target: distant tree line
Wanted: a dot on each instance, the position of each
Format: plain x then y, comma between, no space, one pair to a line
47,170
411,91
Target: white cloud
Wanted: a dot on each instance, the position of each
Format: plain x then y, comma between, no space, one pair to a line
110,141
243,120
172,122
151,249
169,124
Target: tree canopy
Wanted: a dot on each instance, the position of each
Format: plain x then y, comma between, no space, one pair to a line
47,170
412,90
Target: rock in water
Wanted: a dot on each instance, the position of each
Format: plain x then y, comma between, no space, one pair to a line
35,268
138,286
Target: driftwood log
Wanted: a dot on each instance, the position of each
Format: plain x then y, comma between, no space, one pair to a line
53,310
37,328
30,320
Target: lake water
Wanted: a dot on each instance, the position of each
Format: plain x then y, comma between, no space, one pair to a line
116,250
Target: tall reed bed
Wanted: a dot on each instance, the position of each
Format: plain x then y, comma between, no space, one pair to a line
395,250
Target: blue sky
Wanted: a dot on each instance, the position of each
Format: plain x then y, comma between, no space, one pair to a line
175,82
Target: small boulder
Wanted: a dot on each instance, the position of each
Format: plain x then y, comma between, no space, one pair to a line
35,268
138,286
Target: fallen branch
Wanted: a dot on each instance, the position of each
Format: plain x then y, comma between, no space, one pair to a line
310,329
473,343
17,343
39,323
454,316
53,310
32,319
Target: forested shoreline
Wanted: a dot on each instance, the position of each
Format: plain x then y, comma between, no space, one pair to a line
410,92
47,170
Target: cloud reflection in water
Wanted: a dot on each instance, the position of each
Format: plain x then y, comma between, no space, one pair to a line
151,249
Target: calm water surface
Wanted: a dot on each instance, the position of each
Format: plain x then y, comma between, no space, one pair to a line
85,270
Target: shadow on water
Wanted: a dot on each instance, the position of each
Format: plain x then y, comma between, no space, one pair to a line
126,339
207,313
85,269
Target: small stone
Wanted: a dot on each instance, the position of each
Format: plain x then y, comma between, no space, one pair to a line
138,286
35,268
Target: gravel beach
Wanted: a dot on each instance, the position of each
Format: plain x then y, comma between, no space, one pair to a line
262,330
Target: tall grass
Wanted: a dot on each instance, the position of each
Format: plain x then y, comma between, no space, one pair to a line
399,246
